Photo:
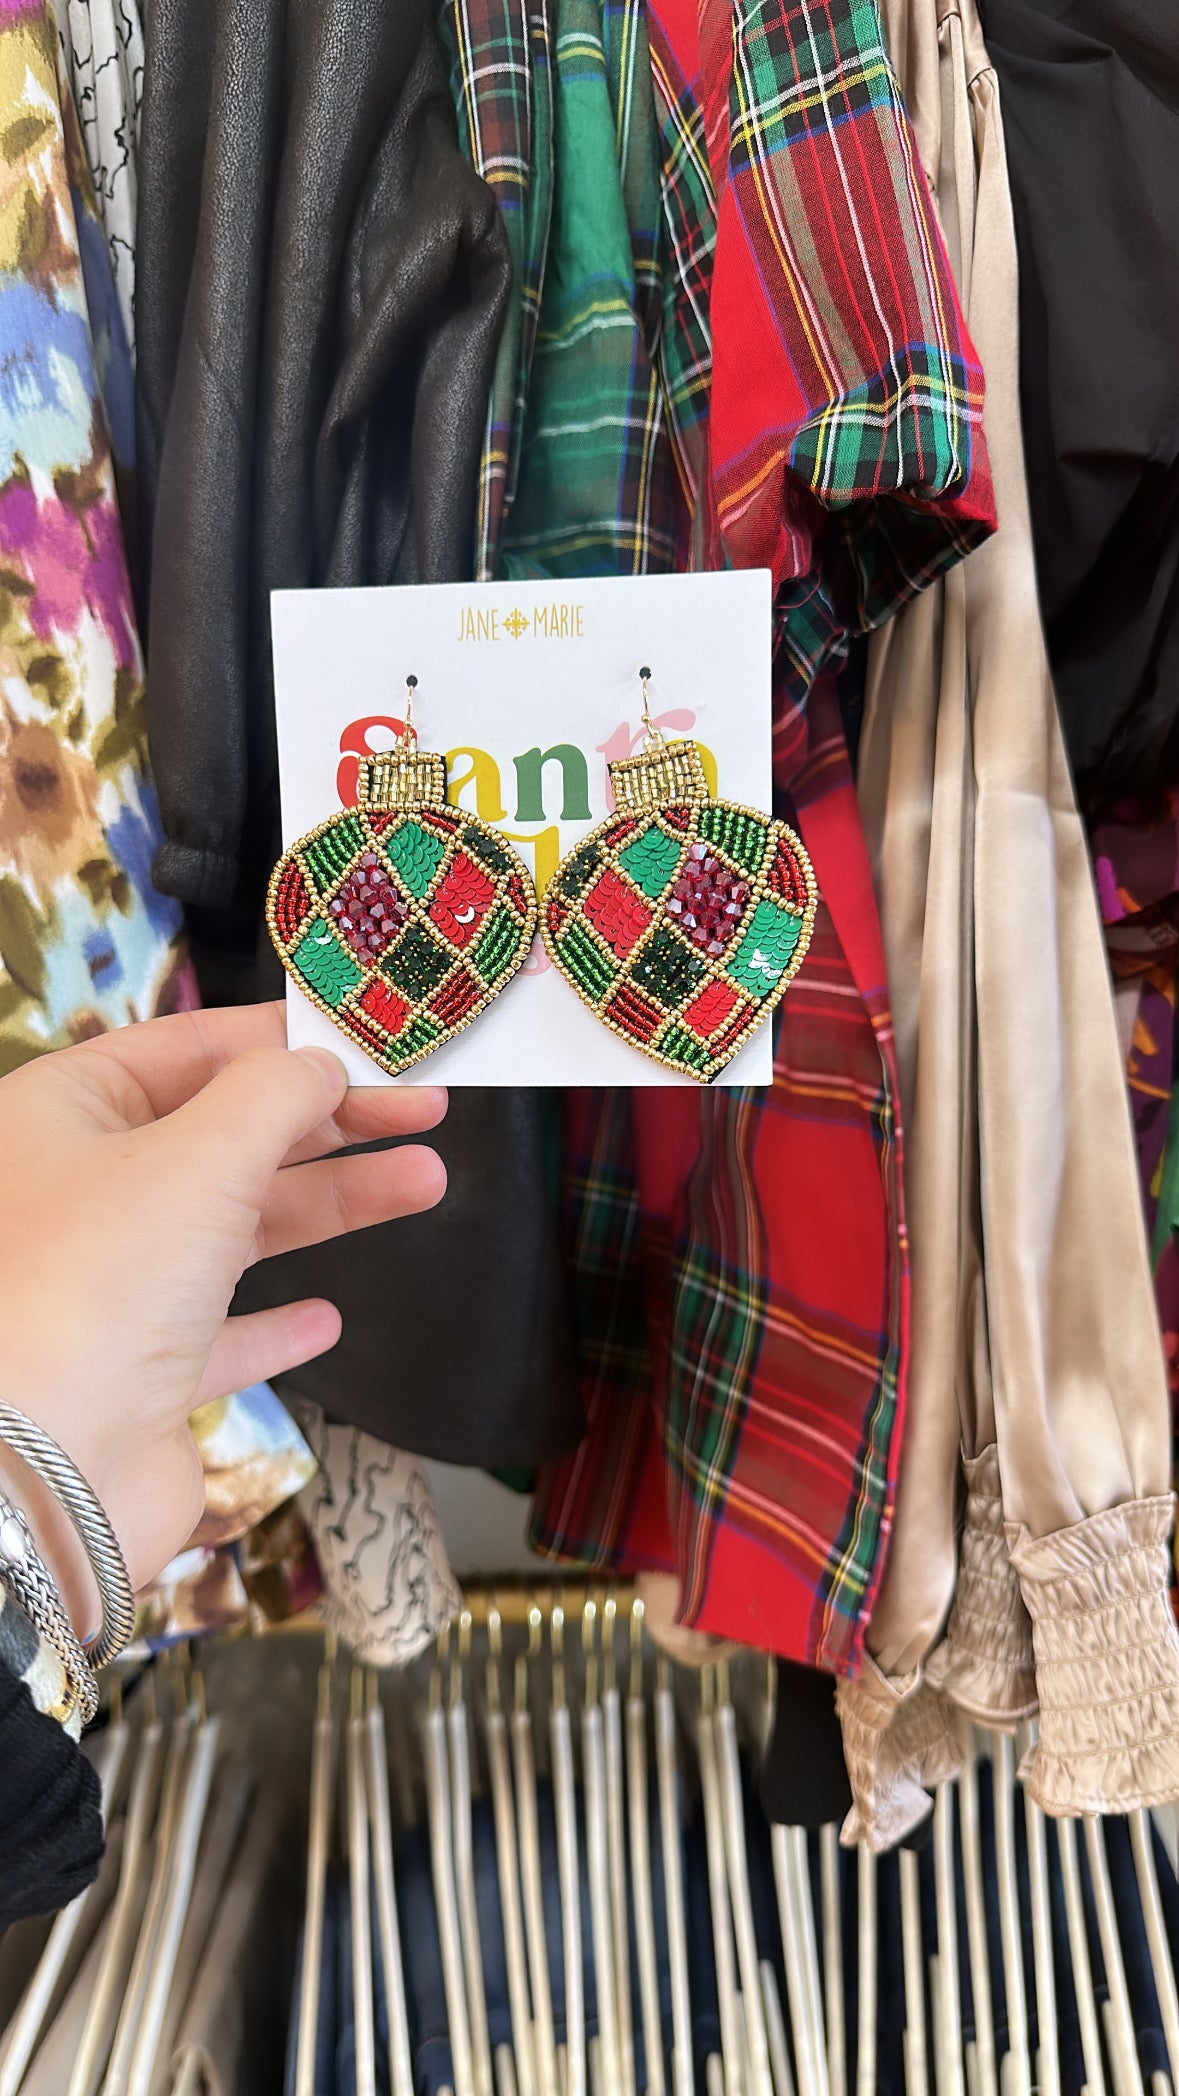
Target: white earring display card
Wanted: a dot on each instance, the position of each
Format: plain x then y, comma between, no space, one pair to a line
529,691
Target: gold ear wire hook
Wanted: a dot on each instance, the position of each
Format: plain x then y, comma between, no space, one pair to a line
653,736
410,734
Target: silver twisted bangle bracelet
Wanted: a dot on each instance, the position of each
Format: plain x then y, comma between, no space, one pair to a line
28,1579
64,1479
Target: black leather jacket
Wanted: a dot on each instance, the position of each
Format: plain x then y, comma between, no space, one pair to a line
321,283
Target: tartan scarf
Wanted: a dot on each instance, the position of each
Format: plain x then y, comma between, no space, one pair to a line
500,54
554,105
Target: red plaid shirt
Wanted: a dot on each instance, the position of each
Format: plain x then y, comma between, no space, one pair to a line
738,1259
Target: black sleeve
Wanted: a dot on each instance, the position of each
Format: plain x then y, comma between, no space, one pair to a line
804,1777
50,1809
804,1780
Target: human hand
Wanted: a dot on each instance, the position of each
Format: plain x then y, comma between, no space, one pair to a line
140,1174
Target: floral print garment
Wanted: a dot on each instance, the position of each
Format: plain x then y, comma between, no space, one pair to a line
254,1459
85,942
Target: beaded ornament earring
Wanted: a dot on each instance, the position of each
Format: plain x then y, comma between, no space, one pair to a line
401,919
681,919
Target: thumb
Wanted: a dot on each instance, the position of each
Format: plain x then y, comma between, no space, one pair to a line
247,1118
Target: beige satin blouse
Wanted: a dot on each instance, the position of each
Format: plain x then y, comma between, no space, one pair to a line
1028,1564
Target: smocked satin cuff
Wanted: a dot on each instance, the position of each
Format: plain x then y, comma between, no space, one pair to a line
1107,1661
898,1742
985,1662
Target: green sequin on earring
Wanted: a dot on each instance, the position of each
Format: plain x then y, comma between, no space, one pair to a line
682,918
651,860
401,918
325,965
415,853
765,952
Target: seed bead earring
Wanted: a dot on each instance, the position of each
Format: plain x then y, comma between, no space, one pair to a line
680,920
403,919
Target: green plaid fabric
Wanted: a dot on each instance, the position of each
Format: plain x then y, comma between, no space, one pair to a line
554,105
501,64
594,495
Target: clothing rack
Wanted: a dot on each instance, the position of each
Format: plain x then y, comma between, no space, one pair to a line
568,1816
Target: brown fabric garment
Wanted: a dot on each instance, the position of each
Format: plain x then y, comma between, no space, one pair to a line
1035,1350
916,788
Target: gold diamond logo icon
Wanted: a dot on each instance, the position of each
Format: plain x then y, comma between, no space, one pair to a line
517,624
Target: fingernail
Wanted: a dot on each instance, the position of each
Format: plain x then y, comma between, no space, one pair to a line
435,1099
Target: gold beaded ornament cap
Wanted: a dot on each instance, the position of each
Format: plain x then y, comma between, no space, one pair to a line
401,919
681,919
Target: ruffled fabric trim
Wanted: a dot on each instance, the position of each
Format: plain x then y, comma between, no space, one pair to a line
1107,1661
899,1741
985,1663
